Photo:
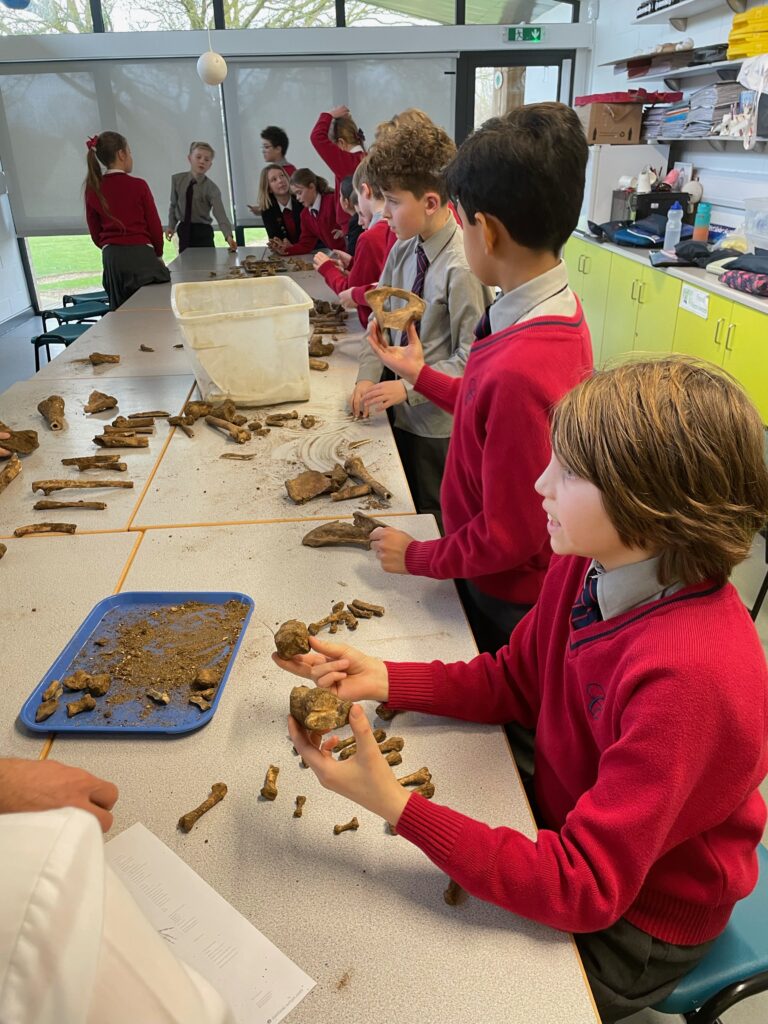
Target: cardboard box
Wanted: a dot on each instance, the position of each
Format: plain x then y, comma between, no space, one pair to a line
612,123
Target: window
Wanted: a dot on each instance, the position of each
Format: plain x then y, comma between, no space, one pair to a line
279,13
46,17
63,265
428,12
512,12
157,16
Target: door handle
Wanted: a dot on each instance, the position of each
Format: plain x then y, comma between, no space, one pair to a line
718,329
641,293
632,294
587,264
728,345
580,264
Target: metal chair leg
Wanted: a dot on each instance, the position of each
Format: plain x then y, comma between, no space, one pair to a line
710,1012
37,358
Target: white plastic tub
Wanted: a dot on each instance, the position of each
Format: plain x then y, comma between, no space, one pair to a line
756,222
246,338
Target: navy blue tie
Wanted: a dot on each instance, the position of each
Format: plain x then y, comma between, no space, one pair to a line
422,265
587,610
484,328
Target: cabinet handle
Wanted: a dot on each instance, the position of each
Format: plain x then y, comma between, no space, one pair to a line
587,264
718,329
632,294
579,264
641,293
728,345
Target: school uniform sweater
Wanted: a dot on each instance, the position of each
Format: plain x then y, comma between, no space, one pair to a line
341,162
132,218
373,246
318,228
651,741
495,528
282,221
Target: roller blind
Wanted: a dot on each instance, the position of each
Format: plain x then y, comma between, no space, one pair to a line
46,116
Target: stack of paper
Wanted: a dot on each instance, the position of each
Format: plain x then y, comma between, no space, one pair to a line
708,105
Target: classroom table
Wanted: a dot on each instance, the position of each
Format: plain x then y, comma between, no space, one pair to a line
18,408
361,912
50,584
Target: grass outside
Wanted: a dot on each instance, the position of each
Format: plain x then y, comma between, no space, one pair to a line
70,264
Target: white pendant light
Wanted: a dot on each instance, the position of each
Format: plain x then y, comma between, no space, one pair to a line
211,66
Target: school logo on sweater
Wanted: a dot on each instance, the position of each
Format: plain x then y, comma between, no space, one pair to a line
595,699
470,390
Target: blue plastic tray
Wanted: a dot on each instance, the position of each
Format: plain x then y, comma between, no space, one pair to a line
175,718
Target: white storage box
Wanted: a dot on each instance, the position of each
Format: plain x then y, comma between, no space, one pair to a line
246,338
756,222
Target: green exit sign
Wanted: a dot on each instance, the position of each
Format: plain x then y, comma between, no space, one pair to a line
525,34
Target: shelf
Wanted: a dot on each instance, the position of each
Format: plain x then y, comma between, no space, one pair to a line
671,78
715,141
679,14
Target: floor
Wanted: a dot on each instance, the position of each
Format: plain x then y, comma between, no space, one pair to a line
17,363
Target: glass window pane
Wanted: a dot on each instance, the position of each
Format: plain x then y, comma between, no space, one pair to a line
160,16
64,265
512,12
279,13
46,17
430,12
499,90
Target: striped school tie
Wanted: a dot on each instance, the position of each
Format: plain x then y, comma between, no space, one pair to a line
483,328
422,265
587,610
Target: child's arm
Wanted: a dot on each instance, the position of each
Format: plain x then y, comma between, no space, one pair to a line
307,239
152,217
220,213
337,159
327,269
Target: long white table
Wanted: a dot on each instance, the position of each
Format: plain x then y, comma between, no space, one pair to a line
49,586
364,905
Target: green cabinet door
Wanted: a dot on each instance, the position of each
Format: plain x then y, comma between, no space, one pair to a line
657,299
574,251
620,310
703,336
595,275
746,349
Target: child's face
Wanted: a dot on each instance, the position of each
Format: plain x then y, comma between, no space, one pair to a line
407,215
200,161
277,182
272,154
576,518
306,194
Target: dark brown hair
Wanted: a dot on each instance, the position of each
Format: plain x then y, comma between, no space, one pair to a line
411,158
108,145
344,129
676,448
304,176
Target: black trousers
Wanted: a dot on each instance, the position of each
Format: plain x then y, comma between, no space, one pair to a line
423,461
491,619
195,236
128,268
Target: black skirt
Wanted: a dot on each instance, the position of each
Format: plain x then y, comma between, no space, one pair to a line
128,268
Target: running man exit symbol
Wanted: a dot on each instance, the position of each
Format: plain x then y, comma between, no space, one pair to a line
525,34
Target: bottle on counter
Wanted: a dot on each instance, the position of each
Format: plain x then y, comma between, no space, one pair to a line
701,224
674,226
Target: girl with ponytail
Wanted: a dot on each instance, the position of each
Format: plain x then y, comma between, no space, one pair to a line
339,142
319,224
122,219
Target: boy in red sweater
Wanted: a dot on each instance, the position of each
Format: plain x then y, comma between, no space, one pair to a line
373,246
641,672
532,346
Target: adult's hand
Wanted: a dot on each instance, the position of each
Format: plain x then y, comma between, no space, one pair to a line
45,785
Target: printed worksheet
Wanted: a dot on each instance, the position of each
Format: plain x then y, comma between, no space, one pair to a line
260,983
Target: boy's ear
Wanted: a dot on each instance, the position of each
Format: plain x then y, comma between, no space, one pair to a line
490,229
432,202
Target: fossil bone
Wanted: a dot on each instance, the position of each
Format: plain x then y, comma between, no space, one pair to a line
26,531
318,710
292,638
300,801
355,466
86,703
46,486
356,534
351,826
52,411
269,789
99,402
187,821
239,434
47,505
10,471
419,778
103,462
399,318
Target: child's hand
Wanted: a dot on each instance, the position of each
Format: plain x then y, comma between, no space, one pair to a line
254,209
4,453
319,259
384,395
407,361
169,233
345,298
389,546
349,673
361,389
341,111
341,257
278,245
337,233
232,244
365,777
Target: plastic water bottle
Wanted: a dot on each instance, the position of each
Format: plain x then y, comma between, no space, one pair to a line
701,224
674,226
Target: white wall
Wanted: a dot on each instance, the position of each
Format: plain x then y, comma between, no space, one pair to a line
14,296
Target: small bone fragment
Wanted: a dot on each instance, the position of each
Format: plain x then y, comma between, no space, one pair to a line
200,701
86,703
394,758
160,414
227,410
3,550
239,434
236,457
337,476
269,789
46,486
99,684
10,471
359,444
45,710
300,801
355,491
120,441
308,422
426,789
356,534
318,347
205,678
53,691
355,466
454,895
132,422
187,821
262,431
178,421
419,778
398,319
307,485
79,680
254,425
208,694
52,411
127,430
292,638
159,698
338,616
20,442
386,714
103,462
274,419
386,746
317,709
26,531
97,358
318,364
145,348
99,402
180,345
47,505
351,826
378,734
196,410
358,612
366,606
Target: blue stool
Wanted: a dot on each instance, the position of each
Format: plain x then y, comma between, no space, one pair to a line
737,965
63,335
75,300
74,314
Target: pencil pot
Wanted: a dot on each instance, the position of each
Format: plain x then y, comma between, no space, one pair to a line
246,339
